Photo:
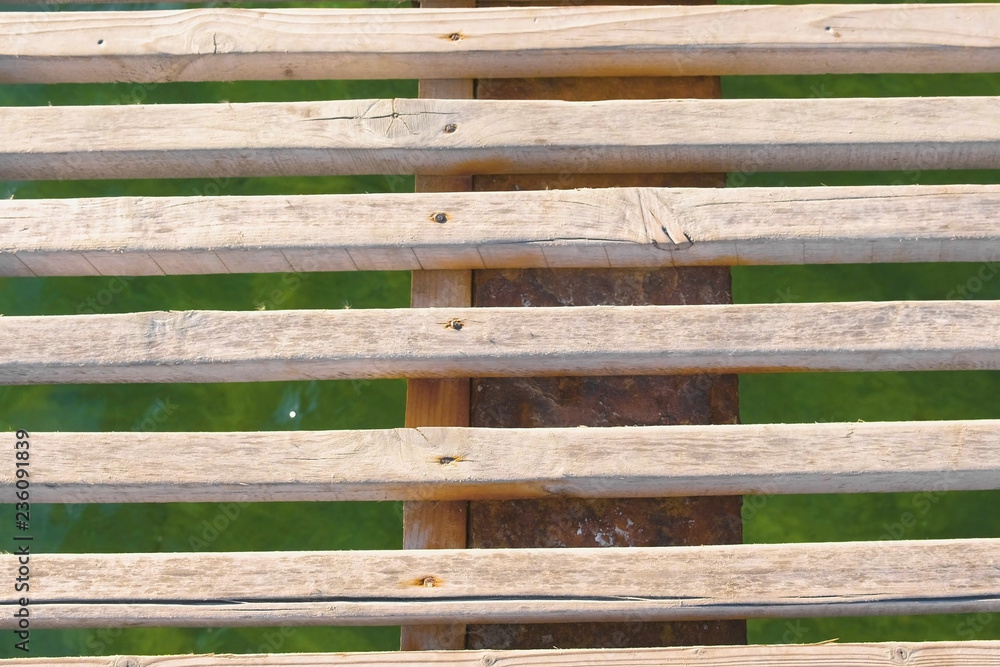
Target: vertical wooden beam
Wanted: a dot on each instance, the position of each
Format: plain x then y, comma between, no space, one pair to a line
438,525
617,401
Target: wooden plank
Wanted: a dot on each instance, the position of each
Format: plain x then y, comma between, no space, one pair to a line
441,137
929,654
441,464
511,585
590,228
260,346
260,44
922,654
438,402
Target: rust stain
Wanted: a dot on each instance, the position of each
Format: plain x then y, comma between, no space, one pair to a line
429,581
604,401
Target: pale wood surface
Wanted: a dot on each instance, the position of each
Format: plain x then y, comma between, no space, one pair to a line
493,136
433,464
223,346
438,402
235,44
596,228
512,585
929,654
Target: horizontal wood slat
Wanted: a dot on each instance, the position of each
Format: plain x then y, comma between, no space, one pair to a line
459,463
554,228
511,585
223,346
923,654
235,44
435,137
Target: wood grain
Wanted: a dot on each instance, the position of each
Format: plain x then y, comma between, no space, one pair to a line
588,228
261,44
260,346
441,137
511,585
929,654
440,464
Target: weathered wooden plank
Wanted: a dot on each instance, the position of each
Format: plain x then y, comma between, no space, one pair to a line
259,346
600,227
511,585
434,464
918,654
491,136
234,44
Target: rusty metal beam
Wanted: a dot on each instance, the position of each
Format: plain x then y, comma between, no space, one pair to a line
618,401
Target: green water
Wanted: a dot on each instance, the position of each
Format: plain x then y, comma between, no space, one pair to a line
348,405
